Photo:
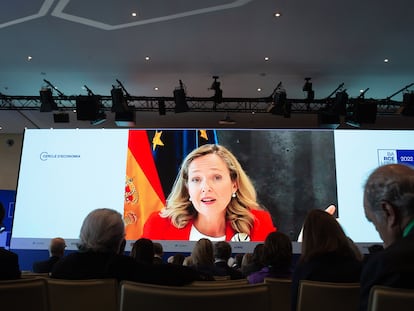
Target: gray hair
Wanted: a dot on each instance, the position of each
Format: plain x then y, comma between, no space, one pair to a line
103,230
394,184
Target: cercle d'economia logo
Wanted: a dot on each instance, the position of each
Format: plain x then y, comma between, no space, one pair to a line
61,11
44,156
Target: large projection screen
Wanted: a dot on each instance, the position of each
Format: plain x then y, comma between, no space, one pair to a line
64,174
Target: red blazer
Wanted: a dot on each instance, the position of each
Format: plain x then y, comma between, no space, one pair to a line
158,228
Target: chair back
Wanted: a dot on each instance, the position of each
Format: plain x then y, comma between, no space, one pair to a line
220,283
24,294
137,296
383,298
280,291
83,295
324,296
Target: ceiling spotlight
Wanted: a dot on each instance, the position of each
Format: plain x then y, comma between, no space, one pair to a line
266,59
147,58
277,14
29,58
386,60
134,14
156,88
259,89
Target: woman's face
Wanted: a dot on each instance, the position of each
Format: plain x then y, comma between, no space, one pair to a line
209,185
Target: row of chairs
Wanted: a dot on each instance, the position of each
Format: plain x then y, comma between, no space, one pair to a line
46,294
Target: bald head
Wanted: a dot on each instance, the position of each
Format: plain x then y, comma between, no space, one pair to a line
57,247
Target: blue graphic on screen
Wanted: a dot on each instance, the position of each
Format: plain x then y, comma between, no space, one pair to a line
393,156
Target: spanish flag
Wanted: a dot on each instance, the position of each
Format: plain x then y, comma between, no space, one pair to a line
143,190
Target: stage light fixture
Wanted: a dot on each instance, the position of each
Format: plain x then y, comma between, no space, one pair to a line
280,104
328,119
341,100
180,99
90,108
46,99
408,104
119,103
161,107
61,117
363,112
218,92
307,87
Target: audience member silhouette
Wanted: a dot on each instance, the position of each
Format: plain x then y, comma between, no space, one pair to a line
176,259
202,257
222,254
253,262
158,253
277,258
56,251
389,205
237,261
143,251
9,261
101,238
327,254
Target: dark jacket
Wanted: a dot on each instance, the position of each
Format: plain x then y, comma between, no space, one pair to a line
222,269
9,265
45,266
91,265
394,267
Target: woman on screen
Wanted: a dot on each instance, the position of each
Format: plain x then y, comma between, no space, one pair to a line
213,198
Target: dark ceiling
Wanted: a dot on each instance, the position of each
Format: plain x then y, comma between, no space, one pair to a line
73,43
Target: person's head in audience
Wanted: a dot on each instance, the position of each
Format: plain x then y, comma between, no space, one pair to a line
202,254
277,251
57,247
158,252
102,230
143,251
258,254
188,261
389,201
238,260
389,205
323,234
176,259
247,260
222,251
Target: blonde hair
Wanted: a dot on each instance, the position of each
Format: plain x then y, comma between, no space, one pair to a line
181,210
203,253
